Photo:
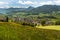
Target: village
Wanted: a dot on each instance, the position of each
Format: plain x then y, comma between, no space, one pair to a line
26,21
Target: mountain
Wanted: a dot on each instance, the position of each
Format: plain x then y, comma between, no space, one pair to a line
9,10
41,9
46,9
2,10
29,8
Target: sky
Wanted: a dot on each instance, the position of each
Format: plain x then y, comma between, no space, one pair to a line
27,3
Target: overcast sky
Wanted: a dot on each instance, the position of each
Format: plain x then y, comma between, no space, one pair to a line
27,3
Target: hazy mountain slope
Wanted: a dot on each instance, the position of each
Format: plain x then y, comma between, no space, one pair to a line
41,9
9,10
46,9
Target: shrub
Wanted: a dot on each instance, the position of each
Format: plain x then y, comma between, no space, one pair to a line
28,24
57,23
43,22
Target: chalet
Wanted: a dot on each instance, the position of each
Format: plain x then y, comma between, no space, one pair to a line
1,19
4,19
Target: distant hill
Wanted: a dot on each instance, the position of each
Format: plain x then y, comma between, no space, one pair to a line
31,10
2,10
41,9
46,9
9,10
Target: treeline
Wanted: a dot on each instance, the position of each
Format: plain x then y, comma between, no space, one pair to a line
37,22
30,21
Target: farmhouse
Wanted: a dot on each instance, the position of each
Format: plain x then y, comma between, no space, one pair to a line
4,19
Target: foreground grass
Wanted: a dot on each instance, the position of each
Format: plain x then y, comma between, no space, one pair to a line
12,31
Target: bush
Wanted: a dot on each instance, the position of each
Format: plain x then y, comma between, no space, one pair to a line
57,23
43,22
29,24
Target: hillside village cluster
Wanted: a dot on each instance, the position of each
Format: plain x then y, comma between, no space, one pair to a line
25,21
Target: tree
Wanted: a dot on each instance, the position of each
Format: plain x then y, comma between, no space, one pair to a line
43,22
6,19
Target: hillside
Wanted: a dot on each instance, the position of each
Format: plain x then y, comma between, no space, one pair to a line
50,10
10,10
46,9
13,31
40,9
43,11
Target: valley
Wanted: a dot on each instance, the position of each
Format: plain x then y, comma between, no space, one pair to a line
40,23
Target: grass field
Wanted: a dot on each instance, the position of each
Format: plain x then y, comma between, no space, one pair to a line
13,31
50,27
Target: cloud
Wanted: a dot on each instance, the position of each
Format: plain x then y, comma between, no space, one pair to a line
57,2
1,7
36,3
4,6
47,3
52,2
29,3
25,2
2,3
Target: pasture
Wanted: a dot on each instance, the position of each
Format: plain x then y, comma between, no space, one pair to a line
54,27
13,31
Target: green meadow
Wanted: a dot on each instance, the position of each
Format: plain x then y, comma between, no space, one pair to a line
13,31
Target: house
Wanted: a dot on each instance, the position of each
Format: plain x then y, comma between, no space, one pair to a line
3,19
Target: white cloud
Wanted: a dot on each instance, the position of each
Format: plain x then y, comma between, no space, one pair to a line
2,3
35,3
1,7
54,2
25,2
46,3
57,2
28,2
4,7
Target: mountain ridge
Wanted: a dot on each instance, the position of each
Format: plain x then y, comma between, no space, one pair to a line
40,9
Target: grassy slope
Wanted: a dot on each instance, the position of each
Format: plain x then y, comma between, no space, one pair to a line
12,31
50,27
